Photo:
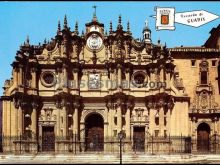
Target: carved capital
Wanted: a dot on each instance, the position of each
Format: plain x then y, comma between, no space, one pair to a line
129,105
119,102
150,104
33,69
160,103
59,104
127,70
76,105
170,103
75,70
119,66
34,104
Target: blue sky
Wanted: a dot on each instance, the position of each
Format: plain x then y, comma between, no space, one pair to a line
39,20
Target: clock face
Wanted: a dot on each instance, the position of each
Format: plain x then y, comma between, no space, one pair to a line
94,42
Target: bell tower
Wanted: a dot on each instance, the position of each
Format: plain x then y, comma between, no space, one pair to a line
147,33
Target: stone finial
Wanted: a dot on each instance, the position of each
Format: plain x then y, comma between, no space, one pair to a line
158,42
128,27
65,22
76,28
45,41
119,22
110,30
59,27
27,40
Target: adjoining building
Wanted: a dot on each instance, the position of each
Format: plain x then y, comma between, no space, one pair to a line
78,91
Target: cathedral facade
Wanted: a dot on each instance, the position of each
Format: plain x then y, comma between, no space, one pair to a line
80,91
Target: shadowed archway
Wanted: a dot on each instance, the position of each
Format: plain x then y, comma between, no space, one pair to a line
203,137
94,127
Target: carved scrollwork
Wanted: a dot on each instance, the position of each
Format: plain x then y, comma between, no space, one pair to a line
204,100
137,45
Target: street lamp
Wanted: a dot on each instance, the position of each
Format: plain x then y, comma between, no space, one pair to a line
121,136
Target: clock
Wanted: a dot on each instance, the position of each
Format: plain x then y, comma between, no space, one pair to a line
94,42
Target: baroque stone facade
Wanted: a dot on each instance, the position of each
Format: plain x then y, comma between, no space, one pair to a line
93,85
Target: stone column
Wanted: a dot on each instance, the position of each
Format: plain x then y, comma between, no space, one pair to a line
168,121
168,77
8,117
64,121
65,78
16,119
76,78
33,74
119,116
59,79
112,80
4,117
110,117
20,77
127,75
151,117
194,135
15,77
132,135
119,75
76,120
215,124
119,119
82,136
20,121
161,121
105,135
127,127
34,121
58,120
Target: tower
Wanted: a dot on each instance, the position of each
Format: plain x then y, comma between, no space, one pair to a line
147,33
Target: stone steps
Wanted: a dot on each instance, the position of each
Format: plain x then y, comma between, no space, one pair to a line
107,159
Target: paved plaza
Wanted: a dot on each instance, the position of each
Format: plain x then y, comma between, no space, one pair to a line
109,159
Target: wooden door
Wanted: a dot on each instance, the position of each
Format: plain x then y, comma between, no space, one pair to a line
139,139
94,133
203,141
48,139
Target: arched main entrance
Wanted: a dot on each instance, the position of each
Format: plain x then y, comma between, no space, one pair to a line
203,137
94,127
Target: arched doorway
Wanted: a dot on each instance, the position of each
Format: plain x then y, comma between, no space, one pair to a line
94,125
203,138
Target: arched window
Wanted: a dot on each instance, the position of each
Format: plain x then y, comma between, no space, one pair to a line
204,72
204,77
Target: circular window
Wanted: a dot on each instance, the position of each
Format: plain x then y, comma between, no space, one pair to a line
139,79
48,79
